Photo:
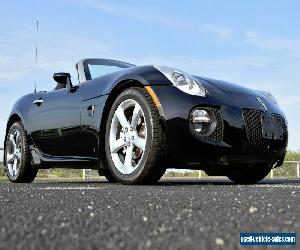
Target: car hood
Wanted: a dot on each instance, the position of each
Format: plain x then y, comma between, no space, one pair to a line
236,95
226,87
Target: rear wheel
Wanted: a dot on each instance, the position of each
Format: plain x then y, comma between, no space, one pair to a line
251,174
17,155
134,140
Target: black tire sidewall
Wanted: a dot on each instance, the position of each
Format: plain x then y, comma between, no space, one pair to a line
26,172
137,96
251,175
107,174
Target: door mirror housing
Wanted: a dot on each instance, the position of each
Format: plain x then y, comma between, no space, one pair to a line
63,81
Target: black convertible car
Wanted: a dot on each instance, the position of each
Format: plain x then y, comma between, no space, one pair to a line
131,123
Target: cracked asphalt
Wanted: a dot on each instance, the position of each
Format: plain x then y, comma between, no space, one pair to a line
173,214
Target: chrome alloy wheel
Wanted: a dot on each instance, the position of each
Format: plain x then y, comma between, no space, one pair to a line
128,136
14,152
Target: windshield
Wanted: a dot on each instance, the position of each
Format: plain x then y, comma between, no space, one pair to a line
100,70
99,67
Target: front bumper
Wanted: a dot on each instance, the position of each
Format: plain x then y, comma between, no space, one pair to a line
235,146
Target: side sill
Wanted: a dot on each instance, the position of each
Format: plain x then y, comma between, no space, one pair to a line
41,160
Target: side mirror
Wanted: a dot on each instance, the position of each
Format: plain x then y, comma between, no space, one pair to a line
63,81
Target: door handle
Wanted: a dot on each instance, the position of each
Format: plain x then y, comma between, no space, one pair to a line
38,102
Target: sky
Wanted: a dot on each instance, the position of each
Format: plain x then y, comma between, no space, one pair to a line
253,43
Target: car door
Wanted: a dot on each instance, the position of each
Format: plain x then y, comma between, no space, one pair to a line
95,78
55,122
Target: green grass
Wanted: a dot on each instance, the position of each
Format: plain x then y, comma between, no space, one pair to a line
2,171
60,173
292,156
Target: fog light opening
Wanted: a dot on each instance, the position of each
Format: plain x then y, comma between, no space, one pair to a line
203,122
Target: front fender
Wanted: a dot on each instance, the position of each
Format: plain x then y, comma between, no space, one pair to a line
146,75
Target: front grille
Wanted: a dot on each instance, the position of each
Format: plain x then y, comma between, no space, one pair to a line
217,135
282,121
253,124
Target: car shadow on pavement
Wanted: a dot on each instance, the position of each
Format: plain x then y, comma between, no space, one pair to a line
179,182
224,181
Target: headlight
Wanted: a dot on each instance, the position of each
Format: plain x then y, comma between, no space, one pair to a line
269,96
183,81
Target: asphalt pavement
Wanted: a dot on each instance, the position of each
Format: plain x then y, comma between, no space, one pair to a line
173,214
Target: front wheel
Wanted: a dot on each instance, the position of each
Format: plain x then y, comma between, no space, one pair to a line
107,174
17,155
250,174
134,140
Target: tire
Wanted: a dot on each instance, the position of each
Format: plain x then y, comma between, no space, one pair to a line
107,174
17,156
251,174
143,138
